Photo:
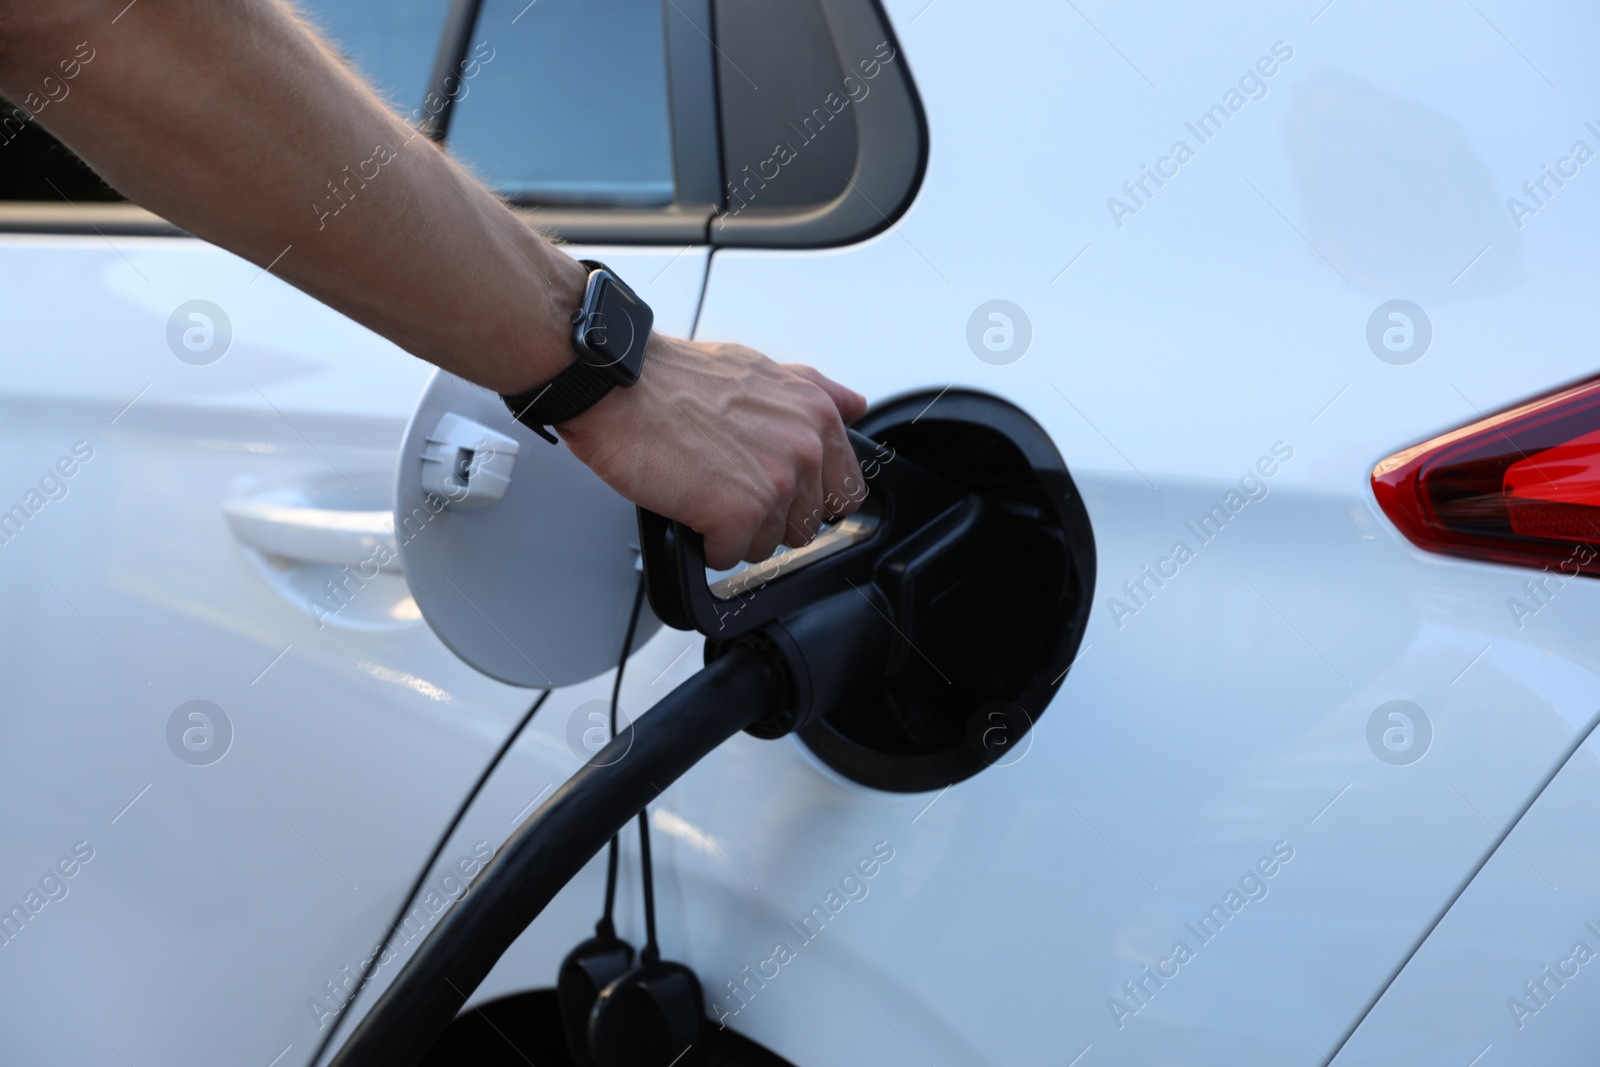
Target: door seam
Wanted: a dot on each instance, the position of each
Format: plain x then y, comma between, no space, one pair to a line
1472,875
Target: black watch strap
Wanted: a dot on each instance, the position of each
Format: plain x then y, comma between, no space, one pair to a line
575,390
610,331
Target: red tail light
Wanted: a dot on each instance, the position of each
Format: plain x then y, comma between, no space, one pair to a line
1520,487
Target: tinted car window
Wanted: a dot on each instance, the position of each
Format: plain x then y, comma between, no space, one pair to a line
569,104
392,42
33,164
560,101
788,134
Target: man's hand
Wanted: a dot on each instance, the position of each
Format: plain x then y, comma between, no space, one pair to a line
230,119
749,452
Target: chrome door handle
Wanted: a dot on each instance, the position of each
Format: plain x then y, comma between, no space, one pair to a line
305,534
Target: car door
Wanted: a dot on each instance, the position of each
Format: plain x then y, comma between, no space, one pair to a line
1230,261
1176,239
243,739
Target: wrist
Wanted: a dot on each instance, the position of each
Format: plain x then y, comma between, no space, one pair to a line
546,349
658,350
611,334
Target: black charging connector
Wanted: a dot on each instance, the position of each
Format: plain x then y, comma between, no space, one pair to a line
969,585
824,652
550,848
772,683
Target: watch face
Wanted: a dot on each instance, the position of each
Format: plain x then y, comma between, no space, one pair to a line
614,330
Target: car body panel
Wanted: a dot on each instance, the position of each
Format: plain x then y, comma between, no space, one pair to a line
236,889
1466,991
1230,711
1201,343
1222,714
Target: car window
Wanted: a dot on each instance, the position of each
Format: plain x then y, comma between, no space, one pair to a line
392,42
788,128
565,102
36,166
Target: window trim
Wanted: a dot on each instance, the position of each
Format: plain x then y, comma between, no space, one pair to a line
454,40
121,219
891,155
692,104
891,151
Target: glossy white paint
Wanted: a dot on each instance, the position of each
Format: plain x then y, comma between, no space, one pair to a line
220,898
1519,923
1226,717
1229,713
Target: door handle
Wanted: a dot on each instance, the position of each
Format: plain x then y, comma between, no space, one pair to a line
282,526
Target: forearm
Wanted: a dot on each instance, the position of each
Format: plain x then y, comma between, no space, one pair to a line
266,149
229,118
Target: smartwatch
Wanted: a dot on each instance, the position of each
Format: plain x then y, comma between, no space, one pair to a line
610,331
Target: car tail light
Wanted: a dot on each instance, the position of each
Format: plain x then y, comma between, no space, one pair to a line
1520,487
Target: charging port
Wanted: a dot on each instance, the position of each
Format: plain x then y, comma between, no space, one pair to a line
990,624
912,648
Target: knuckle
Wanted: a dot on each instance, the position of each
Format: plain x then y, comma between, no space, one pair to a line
810,455
821,405
752,512
783,482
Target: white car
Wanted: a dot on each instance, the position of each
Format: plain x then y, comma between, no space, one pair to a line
1281,318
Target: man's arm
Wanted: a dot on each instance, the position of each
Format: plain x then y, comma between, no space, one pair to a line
231,118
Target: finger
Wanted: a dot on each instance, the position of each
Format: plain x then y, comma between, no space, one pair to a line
767,536
724,549
728,540
809,511
843,486
851,404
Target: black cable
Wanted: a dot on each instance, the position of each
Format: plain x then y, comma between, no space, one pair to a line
422,876
605,927
651,952
551,847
